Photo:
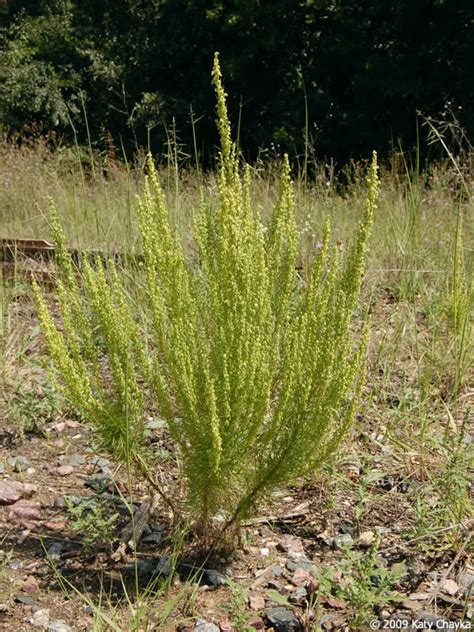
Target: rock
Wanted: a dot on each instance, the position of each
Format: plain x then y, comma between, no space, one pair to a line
466,583
302,564
348,528
40,618
16,565
155,536
204,626
211,577
283,620
226,626
256,601
341,541
99,462
12,491
2,468
59,502
99,483
290,544
264,552
147,569
301,577
24,512
298,595
468,439
24,600
59,626
19,463
56,525
74,460
55,551
421,596
30,585
256,624
64,470
449,587
366,538
59,427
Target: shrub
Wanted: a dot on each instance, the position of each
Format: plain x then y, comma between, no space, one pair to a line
256,368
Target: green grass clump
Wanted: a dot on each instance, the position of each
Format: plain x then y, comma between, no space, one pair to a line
256,369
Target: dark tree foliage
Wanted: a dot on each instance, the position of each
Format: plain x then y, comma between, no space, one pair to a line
362,68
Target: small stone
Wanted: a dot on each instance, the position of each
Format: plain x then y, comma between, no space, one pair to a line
146,569
256,624
59,626
19,463
56,525
283,620
301,577
449,587
341,541
421,596
466,582
74,460
40,618
256,602
12,491
24,512
24,600
30,585
303,564
155,536
64,470
274,584
98,483
213,578
348,527
99,462
225,626
59,502
290,544
55,550
366,538
204,626
298,595
265,552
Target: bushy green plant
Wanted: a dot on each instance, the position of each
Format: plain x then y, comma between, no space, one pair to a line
93,521
256,369
366,584
33,407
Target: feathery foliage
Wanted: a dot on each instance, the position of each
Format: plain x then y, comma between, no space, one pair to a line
256,368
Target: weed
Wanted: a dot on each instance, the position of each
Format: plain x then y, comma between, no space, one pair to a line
93,521
32,407
362,581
